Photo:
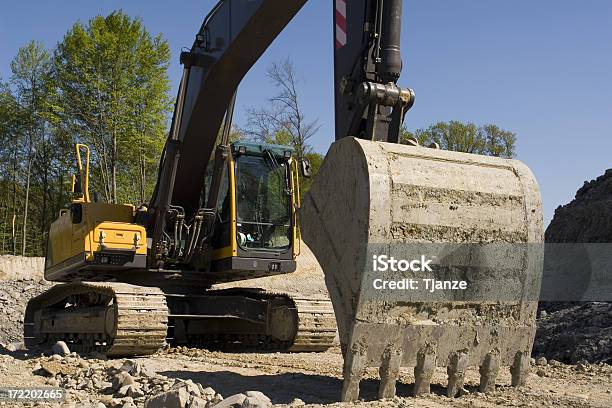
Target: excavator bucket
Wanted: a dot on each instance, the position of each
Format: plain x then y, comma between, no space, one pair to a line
470,221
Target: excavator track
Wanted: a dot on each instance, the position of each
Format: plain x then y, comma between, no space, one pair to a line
117,319
316,325
310,322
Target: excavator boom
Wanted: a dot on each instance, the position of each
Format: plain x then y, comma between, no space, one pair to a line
232,38
368,103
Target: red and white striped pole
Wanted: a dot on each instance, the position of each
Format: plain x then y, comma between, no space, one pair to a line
340,23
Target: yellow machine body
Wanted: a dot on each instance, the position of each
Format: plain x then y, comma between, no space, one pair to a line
96,241
128,295
92,236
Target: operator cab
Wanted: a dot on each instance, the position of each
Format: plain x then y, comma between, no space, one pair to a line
255,226
263,197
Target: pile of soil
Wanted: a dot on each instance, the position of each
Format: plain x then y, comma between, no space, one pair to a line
575,331
578,332
588,217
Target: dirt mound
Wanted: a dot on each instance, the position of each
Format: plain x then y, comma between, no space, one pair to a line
579,332
588,217
574,331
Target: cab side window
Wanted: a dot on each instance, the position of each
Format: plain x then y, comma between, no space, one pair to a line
223,200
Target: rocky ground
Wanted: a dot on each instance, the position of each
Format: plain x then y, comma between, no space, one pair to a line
197,378
575,332
14,295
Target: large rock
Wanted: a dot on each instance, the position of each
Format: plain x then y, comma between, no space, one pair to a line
235,401
60,348
177,398
122,379
256,399
198,402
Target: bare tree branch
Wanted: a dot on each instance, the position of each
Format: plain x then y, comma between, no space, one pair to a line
284,116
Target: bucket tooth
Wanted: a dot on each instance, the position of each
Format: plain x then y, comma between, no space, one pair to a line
520,369
423,371
389,372
488,373
355,364
456,373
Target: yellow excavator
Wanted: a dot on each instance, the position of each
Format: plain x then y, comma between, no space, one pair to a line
250,231
225,215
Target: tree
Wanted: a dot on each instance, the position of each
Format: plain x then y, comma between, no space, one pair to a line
283,137
10,160
498,142
283,121
488,140
105,85
113,87
284,117
30,72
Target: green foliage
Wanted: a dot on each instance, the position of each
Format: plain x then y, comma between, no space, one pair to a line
499,142
281,137
316,159
105,84
32,154
488,140
113,95
8,115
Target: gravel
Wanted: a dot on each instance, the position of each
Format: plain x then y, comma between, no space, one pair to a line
123,383
14,295
580,332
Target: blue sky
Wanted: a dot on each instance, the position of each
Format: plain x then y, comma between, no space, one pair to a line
542,69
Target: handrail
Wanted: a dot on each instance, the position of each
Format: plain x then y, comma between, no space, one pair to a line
83,176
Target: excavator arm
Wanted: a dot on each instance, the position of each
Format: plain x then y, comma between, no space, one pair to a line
367,64
368,103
